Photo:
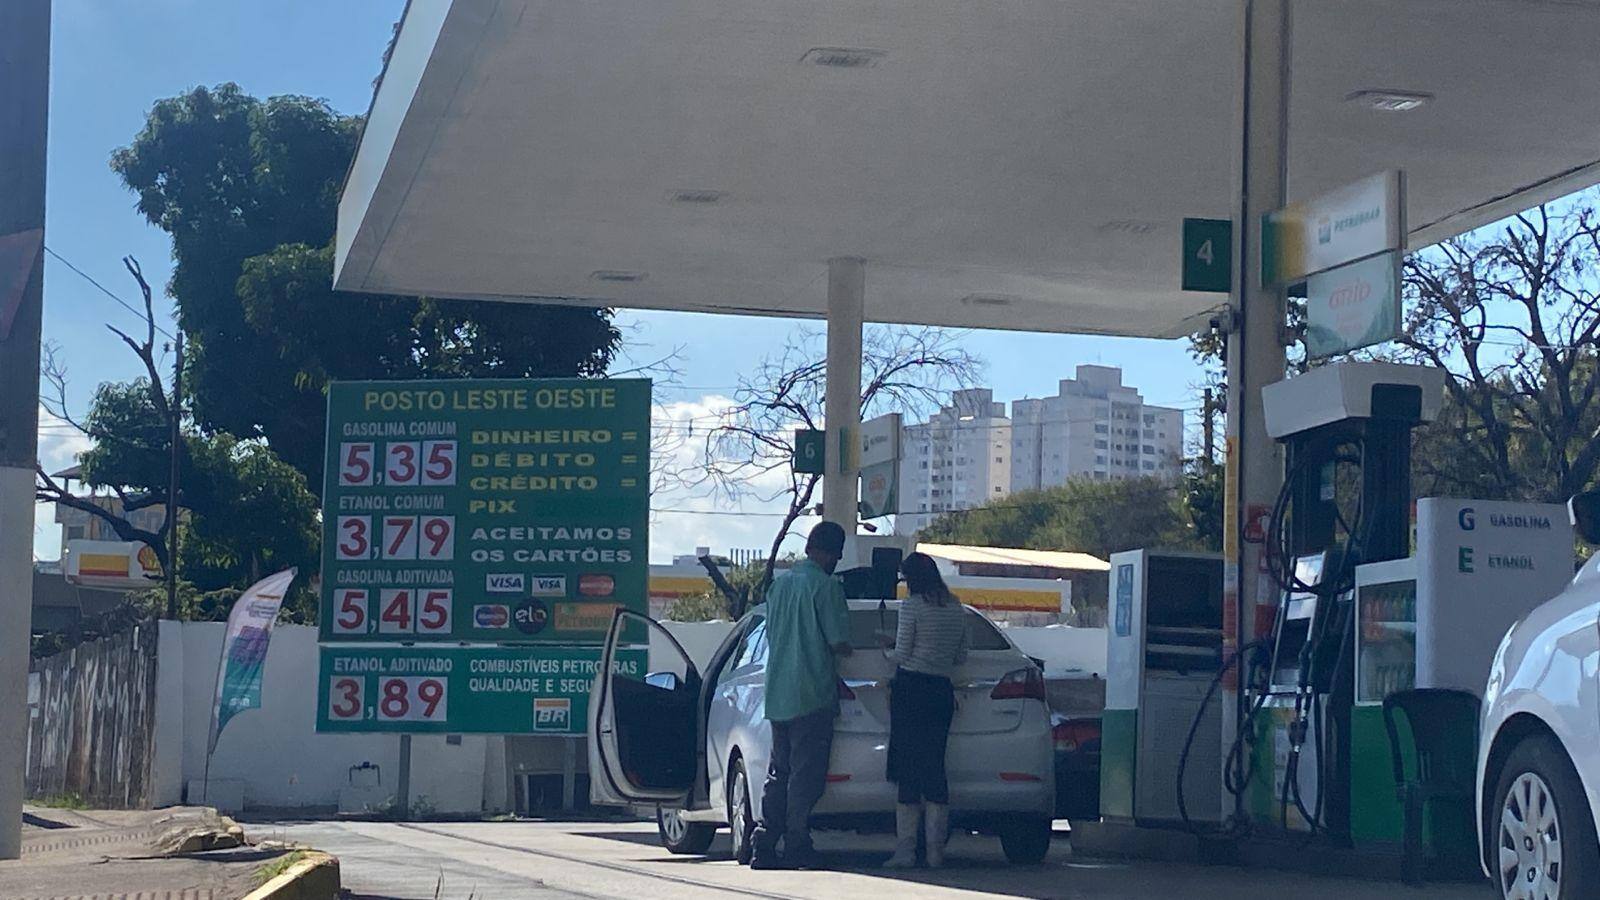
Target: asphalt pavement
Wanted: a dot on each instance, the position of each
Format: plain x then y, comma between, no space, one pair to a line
481,860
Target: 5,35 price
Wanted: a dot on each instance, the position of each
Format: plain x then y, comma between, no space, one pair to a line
399,699
405,464
396,537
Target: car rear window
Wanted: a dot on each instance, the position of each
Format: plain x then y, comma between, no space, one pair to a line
866,623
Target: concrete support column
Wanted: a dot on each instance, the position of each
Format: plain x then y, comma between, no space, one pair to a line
1255,357
24,112
846,288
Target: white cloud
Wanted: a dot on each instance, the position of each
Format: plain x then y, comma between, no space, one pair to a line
687,517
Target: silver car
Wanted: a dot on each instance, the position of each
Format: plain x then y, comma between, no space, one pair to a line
697,746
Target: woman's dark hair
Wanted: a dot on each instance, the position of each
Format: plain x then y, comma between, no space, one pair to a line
923,579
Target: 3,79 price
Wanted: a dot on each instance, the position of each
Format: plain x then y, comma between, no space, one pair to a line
404,464
423,611
399,699
396,537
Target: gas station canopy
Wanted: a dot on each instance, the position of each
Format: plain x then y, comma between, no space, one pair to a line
1022,164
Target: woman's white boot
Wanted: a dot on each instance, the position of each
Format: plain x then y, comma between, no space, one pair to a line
907,816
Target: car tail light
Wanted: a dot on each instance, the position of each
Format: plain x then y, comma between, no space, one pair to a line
1019,776
1022,684
1071,735
844,691
837,778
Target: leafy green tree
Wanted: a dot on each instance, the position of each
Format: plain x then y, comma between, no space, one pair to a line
248,189
1095,517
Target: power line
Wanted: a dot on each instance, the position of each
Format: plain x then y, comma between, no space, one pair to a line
103,289
719,512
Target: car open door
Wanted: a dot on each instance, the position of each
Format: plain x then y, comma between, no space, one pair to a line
644,729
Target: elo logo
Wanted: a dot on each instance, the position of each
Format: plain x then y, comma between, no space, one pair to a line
531,616
504,583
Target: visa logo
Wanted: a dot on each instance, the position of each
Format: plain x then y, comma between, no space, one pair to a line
548,586
504,583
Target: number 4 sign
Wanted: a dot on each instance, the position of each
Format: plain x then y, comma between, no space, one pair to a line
1208,255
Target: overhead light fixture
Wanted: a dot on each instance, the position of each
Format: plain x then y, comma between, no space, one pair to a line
616,276
1384,100
698,197
844,57
988,300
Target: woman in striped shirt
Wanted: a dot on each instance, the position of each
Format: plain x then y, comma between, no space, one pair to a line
930,642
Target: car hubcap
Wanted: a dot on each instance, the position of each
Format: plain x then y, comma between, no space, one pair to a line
673,826
737,817
1530,841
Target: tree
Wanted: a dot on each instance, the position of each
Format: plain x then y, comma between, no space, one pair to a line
130,423
1513,316
249,513
750,452
249,189
1095,517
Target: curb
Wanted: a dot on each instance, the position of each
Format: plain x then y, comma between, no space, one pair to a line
314,877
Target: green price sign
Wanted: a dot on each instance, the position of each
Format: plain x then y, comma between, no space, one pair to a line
485,510
461,690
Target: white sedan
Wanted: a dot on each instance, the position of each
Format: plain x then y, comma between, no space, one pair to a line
1539,747
697,746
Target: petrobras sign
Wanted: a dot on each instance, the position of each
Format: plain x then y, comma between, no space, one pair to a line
1361,219
1353,306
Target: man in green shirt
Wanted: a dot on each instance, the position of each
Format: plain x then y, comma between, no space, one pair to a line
808,627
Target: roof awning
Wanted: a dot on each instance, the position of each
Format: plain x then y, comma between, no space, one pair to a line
1016,165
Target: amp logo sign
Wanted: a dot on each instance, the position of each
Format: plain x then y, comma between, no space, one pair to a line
552,713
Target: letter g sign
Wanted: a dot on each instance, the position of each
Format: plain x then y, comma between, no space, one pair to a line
1467,518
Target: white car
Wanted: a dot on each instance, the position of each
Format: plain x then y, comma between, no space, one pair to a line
696,746
1539,746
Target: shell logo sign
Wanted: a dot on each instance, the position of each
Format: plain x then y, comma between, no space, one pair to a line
114,565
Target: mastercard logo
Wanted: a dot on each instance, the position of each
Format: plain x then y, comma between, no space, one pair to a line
595,585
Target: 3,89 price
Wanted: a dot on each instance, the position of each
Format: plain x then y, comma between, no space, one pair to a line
412,699
396,537
399,699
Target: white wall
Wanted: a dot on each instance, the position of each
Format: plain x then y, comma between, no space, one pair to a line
275,750
1064,648
699,639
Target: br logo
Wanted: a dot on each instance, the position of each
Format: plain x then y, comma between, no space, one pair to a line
552,713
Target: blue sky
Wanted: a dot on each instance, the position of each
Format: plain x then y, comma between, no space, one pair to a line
112,59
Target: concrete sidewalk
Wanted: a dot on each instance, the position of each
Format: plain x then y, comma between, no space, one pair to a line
133,853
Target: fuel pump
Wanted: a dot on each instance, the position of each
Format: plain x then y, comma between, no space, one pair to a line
1345,502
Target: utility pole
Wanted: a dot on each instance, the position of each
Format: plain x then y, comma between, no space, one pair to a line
176,409
24,114
1208,428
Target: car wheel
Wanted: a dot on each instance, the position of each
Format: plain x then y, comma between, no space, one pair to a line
683,837
740,822
1544,834
1026,841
